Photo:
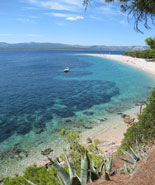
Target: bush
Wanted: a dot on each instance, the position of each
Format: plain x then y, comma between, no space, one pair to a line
37,175
144,130
147,54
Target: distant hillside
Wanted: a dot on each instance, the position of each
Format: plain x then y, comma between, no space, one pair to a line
34,45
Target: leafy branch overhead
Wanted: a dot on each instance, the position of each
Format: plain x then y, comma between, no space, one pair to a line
141,10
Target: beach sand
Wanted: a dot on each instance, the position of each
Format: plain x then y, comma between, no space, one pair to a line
110,138
140,63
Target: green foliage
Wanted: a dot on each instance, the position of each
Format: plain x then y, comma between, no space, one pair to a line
37,175
151,42
147,54
62,132
144,130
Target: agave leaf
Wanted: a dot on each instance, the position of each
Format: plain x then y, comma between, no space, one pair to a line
69,166
109,165
138,149
135,156
60,180
75,181
85,166
61,172
106,176
101,168
30,182
128,154
129,161
93,167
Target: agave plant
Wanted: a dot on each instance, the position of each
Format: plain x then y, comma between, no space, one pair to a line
133,155
86,175
70,178
107,167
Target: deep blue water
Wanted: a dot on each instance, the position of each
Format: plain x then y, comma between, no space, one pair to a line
35,93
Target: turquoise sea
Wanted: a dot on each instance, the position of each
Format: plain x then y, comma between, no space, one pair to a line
37,99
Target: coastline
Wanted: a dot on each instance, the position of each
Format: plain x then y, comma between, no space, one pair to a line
135,62
110,138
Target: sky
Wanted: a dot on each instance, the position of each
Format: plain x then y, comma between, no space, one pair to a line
66,21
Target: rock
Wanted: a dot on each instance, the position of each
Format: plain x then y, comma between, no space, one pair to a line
46,151
124,116
127,120
102,119
119,113
67,120
88,113
86,127
89,140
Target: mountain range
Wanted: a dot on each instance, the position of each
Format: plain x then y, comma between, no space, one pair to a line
46,45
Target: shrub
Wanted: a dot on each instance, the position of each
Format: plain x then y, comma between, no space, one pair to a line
144,130
147,54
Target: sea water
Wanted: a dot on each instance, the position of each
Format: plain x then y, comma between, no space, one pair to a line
37,99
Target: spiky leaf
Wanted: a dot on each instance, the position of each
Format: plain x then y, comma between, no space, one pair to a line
136,157
128,161
101,168
69,166
85,167
109,165
128,154
138,149
93,167
61,172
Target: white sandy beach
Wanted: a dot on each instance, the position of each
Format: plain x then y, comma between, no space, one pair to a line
135,62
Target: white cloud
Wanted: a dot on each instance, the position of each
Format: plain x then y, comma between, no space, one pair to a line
67,16
31,35
74,18
57,14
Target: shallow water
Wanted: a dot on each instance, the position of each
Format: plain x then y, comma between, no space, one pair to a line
37,99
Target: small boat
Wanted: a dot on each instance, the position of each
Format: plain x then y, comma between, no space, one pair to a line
66,69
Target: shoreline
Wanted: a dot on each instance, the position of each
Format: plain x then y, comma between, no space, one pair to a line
109,133
110,138
135,62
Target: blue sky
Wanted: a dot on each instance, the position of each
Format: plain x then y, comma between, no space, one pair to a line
65,21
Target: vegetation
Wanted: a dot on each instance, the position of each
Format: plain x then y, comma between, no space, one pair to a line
38,175
79,166
151,42
141,10
144,130
147,54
